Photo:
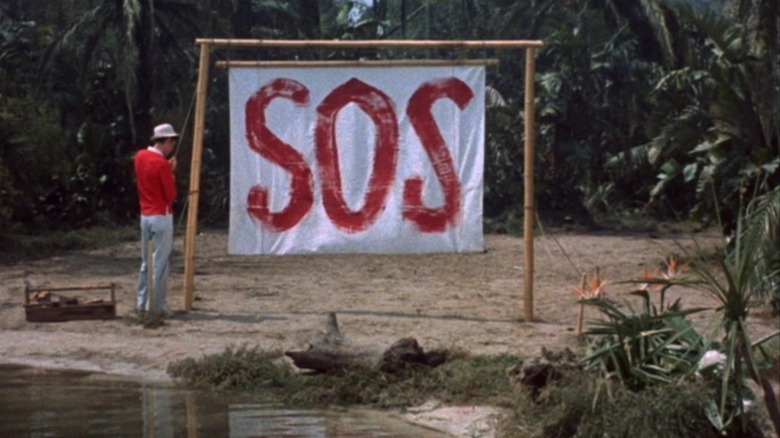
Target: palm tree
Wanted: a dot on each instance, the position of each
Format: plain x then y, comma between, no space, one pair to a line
653,22
21,165
760,21
138,42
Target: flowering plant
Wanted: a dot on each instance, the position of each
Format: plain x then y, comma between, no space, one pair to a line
650,346
596,289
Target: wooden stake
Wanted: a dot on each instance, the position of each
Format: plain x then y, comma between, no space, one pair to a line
192,415
583,285
530,151
150,276
197,152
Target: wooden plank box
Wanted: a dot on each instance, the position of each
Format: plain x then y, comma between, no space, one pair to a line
47,305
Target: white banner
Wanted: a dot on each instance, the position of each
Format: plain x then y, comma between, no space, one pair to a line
356,160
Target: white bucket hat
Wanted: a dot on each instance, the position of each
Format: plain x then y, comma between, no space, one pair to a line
164,131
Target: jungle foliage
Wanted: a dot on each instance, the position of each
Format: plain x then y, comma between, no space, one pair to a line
576,403
667,108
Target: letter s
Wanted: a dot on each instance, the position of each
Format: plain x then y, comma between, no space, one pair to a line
419,111
270,147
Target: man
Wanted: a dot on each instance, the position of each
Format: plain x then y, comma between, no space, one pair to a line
156,194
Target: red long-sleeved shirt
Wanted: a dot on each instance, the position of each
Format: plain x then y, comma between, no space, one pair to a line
156,183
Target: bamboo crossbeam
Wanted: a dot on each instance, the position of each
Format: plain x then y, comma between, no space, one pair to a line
379,44
358,63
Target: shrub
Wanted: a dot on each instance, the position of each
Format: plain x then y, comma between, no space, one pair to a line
579,405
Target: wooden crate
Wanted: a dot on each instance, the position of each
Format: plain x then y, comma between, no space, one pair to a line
49,305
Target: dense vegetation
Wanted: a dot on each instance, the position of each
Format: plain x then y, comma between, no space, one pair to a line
669,108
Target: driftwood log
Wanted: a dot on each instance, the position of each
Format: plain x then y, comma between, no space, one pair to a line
331,351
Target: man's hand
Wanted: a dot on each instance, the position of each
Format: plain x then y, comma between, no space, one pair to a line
173,164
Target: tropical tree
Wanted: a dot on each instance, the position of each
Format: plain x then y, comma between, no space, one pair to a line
590,74
713,125
110,75
645,103
24,122
142,46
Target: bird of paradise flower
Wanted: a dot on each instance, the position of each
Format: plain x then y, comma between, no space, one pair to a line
660,280
596,290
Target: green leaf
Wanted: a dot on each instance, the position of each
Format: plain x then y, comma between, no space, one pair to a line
671,168
689,172
711,410
704,147
772,166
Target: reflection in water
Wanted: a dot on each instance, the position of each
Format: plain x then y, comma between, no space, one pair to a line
41,403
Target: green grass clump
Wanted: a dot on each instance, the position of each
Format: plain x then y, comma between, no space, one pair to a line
479,379
585,406
249,369
236,368
149,320
579,404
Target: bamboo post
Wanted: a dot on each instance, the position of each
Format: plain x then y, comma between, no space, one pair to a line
528,226
197,152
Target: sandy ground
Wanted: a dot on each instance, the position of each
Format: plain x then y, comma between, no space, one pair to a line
471,302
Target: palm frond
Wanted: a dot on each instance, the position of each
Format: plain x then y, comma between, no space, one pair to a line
71,44
629,160
763,236
706,178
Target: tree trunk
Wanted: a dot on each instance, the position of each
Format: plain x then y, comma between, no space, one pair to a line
142,113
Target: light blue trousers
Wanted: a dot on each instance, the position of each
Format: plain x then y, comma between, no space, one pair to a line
158,229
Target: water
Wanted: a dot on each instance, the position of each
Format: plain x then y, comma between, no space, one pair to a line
41,403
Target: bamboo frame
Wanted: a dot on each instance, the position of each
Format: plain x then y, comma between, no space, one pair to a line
358,63
206,44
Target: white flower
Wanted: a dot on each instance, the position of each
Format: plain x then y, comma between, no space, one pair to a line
712,358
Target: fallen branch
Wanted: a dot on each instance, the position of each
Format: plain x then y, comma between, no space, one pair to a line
331,352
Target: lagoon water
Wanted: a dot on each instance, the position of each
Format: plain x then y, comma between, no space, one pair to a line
44,403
